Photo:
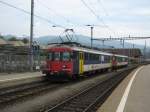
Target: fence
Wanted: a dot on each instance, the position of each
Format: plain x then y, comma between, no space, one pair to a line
17,60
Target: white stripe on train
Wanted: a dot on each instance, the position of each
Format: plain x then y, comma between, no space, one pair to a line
91,67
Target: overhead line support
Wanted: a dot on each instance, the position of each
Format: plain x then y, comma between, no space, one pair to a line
31,35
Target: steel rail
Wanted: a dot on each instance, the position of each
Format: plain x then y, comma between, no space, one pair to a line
80,103
23,91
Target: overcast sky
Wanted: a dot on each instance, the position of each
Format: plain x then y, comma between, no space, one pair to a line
124,17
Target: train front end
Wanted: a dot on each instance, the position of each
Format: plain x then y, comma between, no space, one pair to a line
59,63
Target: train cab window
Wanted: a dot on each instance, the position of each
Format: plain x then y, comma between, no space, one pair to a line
50,56
66,56
57,56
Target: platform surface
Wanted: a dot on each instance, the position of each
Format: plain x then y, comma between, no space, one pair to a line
19,76
139,95
132,95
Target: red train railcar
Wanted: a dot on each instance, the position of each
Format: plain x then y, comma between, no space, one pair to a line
59,62
72,61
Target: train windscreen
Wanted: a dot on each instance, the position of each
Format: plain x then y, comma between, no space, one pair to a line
59,56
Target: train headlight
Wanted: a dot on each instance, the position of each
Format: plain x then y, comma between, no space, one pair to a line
64,66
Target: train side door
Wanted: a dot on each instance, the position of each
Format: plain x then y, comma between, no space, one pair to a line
81,63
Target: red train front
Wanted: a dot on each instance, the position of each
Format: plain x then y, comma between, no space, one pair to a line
59,62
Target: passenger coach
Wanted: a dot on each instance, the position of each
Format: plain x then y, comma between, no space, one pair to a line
72,61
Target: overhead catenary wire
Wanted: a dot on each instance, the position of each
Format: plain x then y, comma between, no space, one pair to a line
26,12
37,16
47,20
75,24
66,19
93,12
55,12
107,14
98,5
101,4
98,18
104,24
29,13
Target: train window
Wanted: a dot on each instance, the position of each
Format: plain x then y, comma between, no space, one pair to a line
65,56
86,56
108,59
123,59
119,59
92,57
102,59
97,57
50,56
57,56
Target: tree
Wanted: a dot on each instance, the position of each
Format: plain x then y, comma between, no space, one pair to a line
13,39
25,40
1,36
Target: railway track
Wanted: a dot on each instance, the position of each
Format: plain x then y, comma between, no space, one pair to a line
89,99
14,93
11,94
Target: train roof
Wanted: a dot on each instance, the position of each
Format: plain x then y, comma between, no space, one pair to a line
123,56
86,49
96,51
90,50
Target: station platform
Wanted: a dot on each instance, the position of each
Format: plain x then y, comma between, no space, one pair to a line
19,78
132,95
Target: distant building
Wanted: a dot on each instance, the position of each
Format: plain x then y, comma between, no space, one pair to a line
17,43
135,52
3,42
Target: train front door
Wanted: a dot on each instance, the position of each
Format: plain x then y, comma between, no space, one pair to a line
81,63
